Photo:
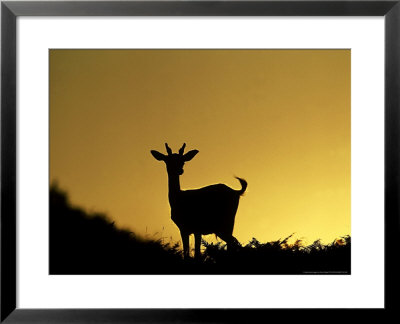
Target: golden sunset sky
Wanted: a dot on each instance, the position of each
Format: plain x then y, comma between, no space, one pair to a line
278,118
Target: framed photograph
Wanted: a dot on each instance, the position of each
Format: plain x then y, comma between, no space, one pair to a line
198,161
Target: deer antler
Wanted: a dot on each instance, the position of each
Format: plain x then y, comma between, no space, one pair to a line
169,151
182,149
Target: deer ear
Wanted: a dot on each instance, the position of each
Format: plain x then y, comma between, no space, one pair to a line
190,155
158,156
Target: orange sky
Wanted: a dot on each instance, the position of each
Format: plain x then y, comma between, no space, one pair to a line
278,118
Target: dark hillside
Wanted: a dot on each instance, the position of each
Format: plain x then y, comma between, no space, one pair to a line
83,243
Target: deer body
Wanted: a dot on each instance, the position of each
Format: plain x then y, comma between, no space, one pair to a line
208,210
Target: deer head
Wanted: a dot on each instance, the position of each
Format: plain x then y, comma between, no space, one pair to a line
174,161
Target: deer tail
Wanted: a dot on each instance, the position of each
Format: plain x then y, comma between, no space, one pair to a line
244,186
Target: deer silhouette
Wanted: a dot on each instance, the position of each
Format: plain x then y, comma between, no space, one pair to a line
208,210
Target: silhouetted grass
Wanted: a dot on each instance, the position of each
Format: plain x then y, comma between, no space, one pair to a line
280,257
83,243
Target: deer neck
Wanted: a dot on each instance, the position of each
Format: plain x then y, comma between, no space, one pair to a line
174,188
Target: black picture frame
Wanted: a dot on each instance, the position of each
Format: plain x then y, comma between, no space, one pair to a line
10,10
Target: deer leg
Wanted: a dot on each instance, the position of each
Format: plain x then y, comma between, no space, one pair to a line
185,242
233,243
197,243
230,240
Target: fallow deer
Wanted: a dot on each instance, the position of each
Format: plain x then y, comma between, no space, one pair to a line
208,210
